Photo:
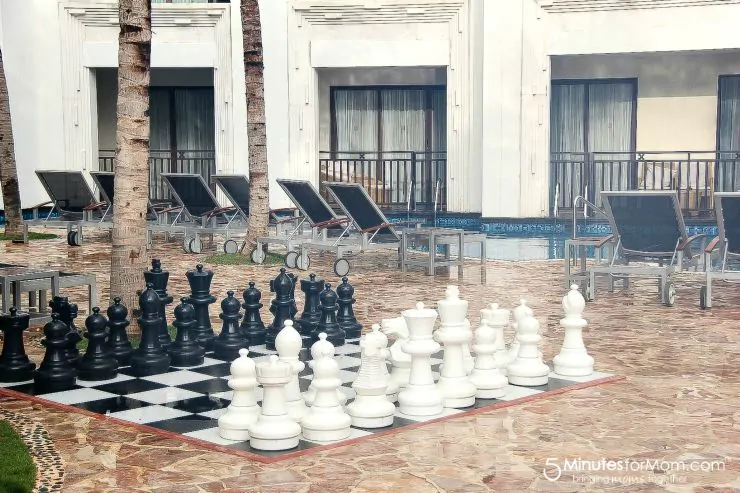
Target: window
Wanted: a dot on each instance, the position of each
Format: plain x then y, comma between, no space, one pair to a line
728,134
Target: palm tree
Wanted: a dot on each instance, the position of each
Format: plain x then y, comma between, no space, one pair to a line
129,245
259,199
8,173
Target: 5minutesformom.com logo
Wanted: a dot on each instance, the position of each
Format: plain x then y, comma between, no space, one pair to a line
554,468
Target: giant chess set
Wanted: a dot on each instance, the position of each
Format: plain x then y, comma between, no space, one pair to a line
299,383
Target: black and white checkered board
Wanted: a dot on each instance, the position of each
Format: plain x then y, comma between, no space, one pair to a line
190,401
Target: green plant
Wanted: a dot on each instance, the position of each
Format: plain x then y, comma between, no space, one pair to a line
240,259
31,236
17,470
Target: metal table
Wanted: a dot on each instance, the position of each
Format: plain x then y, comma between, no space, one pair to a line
11,278
433,237
575,257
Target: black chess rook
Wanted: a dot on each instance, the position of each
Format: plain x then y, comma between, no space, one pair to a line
118,342
281,306
328,322
231,339
14,363
98,363
185,351
159,278
346,314
149,358
201,298
311,315
252,326
55,373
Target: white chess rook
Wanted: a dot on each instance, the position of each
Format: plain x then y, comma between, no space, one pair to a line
498,319
528,369
420,397
243,411
401,361
371,408
454,385
274,428
573,359
326,420
487,377
288,344
317,348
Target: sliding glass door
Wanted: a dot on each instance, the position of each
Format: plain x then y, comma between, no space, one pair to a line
728,134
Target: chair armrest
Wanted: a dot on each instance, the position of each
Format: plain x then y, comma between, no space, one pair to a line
219,210
284,209
287,220
712,245
95,205
331,222
169,209
683,245
375,228
605,240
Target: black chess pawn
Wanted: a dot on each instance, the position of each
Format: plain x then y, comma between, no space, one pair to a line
311,315
231,339
98,363
200,298
346,314
185,350
328,322
67,313
281,306
149,358
118,342
252,326
55,374
159,278
14,363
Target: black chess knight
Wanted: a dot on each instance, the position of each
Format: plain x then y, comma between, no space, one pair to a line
281,306
149,358
55,374
231,339
118,342
200,298
346,315
14,363
185,351
328,323
252,326
311,315
98,363
159,278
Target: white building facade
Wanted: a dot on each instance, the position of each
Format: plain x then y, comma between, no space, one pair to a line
503,108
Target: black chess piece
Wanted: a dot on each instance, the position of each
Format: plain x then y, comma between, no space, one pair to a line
159,278
252,326
118,342
149,358
293,306
55,374
67,313
346,315
98,363
311,315
328,322
14,363
280,306
185,351
200,298
231,339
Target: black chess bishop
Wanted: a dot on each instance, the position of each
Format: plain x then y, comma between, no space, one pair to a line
281,306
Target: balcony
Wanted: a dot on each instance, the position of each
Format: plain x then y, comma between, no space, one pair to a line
394,180
696,175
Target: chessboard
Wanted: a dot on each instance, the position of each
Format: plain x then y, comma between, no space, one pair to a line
187,402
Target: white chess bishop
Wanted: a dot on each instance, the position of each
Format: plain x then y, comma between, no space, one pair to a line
528,369
319,347
454,332
498,319
573,359
400,360
487,376
371,407
274,428
243,411
326,419
288,344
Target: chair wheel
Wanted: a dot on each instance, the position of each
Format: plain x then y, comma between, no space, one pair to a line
669,294
341,267
231,247
74,238
258,255
290,259
703,297
186,244
303,261
69,238
195,245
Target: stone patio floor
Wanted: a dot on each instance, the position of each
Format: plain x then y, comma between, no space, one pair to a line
680,402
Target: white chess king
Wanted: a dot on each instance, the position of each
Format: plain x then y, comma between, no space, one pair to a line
573,360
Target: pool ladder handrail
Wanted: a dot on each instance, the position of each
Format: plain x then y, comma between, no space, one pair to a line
586,204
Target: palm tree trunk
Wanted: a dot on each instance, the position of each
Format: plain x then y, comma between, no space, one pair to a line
259,199
129,245
8,171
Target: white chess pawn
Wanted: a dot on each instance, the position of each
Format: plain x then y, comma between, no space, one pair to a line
573,359
322,345
488,379
391,391
454,385
243,411
498,319
288,344
371,408
274,428
528,369
400,360
326,420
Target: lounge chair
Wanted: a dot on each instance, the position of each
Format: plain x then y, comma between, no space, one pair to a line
649,229
726,245
105,185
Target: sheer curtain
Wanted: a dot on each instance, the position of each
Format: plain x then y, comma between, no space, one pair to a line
729,134
159,115
356,120
567,140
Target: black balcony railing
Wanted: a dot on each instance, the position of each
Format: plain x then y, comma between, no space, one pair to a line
394,180
695,175
165,161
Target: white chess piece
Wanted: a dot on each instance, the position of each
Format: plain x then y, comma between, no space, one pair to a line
288,344
468,359
391,391
401,361
420,397
498,319
488,379
326,420
317,348
371,407
274,428
520,312
243,410
454,385
528,369
573,360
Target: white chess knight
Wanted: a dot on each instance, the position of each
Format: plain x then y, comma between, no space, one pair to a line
454,332
274,428
520,312
371,408
317,348
288,344
498,319
326,419
401,361
243,411
489,380
573,359
528,369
